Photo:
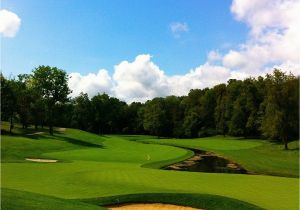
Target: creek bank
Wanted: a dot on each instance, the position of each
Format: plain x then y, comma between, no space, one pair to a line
204,161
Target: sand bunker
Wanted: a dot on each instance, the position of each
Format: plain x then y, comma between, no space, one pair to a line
61,129
41,160
149,206
36,133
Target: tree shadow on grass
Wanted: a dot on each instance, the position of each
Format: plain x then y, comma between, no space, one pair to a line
291,145
80,142
57,135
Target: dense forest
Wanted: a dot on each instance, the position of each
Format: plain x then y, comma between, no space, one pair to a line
263,107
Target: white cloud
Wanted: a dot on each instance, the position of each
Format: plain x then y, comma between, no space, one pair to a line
287,67
140,80
273,42
91,84
273,37
263,15
213,56
205,75
177,28
9,23
234,59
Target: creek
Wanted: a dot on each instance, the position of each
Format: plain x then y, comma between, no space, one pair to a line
204,161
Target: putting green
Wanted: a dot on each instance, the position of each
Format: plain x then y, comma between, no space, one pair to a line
88,171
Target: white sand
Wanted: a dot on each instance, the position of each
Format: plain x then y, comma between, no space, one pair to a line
41,160
61,129
36,133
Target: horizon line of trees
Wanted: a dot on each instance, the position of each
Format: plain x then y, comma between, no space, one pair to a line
263,107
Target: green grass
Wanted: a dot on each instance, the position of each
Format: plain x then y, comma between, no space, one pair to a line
117,165
194,200
34,143
16,200
258,156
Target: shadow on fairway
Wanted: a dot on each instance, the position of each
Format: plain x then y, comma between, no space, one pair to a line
57,135
80,142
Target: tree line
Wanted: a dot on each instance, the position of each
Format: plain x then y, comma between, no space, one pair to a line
262,107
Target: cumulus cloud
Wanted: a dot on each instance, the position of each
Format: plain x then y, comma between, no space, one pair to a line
142,79
213,56
139,80
205,75
91,84
273,42
273,37
234,60
288,67
9,23
177,28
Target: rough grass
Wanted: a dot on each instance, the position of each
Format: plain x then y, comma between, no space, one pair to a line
115,168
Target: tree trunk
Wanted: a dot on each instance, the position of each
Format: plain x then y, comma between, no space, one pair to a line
11,124
285,141
51,129
50,125
50,121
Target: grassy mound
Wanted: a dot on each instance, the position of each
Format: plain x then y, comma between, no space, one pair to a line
16,200
203,201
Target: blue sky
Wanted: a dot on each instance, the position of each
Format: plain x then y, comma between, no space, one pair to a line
136,49
84,36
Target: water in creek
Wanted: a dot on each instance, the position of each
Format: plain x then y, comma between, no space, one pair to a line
204,161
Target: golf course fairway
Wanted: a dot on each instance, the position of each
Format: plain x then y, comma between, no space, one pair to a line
91,168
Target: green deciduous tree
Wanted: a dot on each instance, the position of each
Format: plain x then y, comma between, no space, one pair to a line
51,83
174,116
281,103
38,111
192,109
133,120
254,107
25,97
220,110
154,117
82,113
8,100
238,119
